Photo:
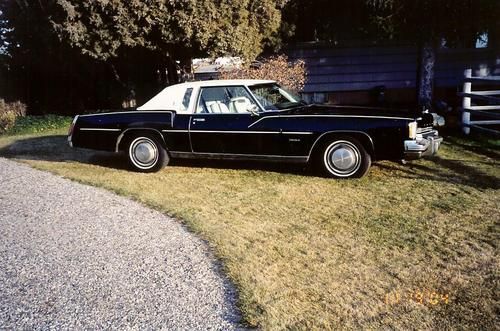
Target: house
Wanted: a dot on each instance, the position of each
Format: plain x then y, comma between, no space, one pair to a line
358,75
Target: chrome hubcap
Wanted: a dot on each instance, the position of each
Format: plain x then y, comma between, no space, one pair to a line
342,158
143,152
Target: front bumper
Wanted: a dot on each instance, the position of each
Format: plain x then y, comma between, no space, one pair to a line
424,145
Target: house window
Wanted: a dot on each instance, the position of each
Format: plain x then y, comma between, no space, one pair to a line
482,40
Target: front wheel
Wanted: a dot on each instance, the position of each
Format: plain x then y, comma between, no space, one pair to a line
344,158
146,154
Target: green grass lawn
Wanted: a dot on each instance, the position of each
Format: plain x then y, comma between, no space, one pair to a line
407,247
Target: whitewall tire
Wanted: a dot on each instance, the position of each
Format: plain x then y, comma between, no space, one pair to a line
344,158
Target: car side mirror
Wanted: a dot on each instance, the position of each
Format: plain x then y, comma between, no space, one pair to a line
254,110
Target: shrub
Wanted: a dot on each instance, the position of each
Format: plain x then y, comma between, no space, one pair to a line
9,112
37,124
7,121
289,75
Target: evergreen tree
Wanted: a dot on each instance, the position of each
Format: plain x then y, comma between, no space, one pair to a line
67,51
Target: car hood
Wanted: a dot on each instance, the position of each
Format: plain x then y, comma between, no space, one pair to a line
349,111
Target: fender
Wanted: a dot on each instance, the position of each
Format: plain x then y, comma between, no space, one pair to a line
340,131
120,137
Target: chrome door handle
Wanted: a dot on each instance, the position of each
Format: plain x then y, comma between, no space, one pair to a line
198,120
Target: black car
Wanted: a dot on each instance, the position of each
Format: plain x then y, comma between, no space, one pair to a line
255,120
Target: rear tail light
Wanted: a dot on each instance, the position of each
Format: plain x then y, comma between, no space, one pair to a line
72,126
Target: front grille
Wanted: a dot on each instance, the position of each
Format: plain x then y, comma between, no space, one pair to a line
424,130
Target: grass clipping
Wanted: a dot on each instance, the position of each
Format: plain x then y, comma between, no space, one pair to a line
405,247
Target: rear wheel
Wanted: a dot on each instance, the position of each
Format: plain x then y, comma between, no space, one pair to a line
146,153
344,157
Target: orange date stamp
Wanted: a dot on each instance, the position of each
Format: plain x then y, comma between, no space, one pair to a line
419,296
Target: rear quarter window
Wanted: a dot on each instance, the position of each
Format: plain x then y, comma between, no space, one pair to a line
186,99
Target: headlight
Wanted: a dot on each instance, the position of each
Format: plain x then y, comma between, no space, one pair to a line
412,130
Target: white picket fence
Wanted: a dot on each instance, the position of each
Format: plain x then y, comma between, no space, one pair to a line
489,112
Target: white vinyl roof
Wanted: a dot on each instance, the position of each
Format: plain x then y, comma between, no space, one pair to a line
222,82
171,97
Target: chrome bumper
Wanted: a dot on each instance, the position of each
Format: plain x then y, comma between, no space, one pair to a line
71,129
423,145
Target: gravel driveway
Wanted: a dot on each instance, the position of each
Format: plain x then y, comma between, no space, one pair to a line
74,256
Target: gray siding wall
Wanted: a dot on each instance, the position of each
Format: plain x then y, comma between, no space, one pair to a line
362,68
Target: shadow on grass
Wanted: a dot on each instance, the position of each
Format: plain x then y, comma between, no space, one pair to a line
284,168
464,172
56,149
485,148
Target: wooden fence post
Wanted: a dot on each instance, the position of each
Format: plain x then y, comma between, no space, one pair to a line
466,101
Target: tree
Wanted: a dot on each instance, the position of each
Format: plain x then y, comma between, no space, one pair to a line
101,28
110,30
31,52
125,44
334,21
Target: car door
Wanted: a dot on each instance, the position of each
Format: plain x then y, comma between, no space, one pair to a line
176,135
223,124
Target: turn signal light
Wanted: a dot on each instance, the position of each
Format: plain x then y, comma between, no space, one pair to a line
412,130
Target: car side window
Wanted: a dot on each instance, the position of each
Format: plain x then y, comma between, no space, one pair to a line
225,100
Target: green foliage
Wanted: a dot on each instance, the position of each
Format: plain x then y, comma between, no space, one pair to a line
38,124
98,53
9,112
101,28
37,68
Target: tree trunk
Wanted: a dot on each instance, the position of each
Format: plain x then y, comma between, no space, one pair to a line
128,97
425,77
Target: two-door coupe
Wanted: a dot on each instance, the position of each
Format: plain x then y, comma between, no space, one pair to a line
255,120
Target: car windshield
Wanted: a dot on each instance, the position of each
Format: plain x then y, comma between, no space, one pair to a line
274,97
